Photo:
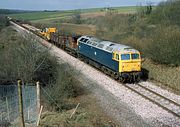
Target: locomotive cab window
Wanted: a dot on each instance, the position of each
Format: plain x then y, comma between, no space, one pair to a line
117,56
125,56
135,56
113,55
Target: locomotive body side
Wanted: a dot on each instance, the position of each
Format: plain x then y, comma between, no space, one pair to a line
123,60
98,55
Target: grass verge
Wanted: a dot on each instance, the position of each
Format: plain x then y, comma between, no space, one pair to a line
63,96
167,75
88,114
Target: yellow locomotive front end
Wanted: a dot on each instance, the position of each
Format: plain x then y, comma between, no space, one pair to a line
130,65
130,62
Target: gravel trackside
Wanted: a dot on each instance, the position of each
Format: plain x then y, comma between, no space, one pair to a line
125,106
117,100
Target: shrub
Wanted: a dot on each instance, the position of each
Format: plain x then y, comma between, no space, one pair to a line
64,87
158,42
24,59
164,45
76,18
3,21
166,13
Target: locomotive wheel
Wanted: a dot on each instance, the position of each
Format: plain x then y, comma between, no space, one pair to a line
116,77
131,79
138,78
112,75
121,79
86,61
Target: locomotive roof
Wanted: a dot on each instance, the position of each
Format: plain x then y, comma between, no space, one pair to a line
106,45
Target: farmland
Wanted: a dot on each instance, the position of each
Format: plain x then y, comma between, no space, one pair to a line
132,26
41,16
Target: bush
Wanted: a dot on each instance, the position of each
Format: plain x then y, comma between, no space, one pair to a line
24,59
166,13
64,87
164,46
3,21
27,60
76,18
159,42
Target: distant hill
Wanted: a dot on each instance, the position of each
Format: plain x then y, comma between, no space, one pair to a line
9,11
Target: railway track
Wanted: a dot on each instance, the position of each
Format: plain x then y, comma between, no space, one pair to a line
160,100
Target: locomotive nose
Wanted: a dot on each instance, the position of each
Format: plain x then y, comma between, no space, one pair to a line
131,66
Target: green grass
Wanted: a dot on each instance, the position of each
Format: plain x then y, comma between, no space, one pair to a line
167,75
128,9
41,15
54,15
125,9
51,20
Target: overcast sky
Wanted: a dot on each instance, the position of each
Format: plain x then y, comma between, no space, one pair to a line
69,4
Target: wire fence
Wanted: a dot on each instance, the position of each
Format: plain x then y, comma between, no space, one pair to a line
9,105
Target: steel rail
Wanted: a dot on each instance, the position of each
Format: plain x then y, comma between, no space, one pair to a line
150,99
131,87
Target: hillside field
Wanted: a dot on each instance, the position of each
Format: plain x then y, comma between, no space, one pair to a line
133,26
42,16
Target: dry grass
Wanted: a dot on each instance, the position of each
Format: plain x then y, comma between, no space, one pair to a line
88,114
169,76
79,29
92,15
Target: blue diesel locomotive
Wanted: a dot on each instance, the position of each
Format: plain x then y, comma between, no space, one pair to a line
120,61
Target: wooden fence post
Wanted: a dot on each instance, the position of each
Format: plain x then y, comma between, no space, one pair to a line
21,103
1,117
39,116
7,105
38,96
